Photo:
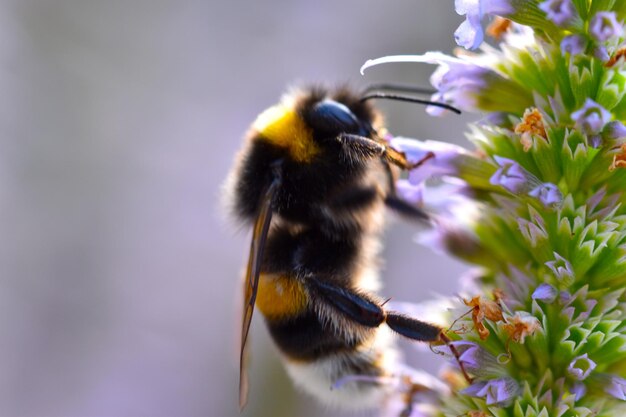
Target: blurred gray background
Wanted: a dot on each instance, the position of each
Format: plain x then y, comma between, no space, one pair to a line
119,122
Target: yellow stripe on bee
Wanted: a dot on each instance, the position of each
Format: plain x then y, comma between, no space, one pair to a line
279,296
282,126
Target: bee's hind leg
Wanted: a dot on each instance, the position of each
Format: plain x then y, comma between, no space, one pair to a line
367,312
357,307
424,332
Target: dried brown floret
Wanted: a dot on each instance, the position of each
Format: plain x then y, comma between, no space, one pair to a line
619,160
620,54
531,124
483,308
498,27
521,325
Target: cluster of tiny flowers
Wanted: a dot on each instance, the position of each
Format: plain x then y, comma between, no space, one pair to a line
538,207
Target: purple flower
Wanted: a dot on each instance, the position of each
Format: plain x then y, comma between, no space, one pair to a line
470,33
510,175
471,354
559,11
546,293
591,117
413,393
453,230
573,44
601,53
604,26
450,197
477,360
579,389
411,193
448,236
615,130
457,80
457,85
580,367
548,193
500,391
561,267
617,388
443,163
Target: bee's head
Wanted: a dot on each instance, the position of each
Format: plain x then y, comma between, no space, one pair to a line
307,124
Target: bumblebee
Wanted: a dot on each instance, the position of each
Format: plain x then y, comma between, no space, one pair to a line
313,179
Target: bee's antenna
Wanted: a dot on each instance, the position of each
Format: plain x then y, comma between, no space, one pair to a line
410,100
405,88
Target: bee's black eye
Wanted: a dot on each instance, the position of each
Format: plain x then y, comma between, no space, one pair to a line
333,117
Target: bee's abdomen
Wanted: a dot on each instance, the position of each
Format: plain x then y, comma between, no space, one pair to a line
334,370
298,330
306,338
280,297
323,362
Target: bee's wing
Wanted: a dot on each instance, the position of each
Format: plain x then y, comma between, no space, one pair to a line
251,282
